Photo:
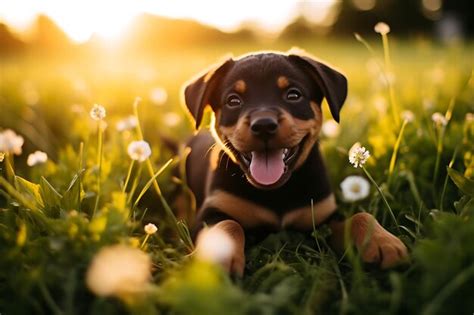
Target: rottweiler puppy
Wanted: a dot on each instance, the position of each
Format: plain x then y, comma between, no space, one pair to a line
260,167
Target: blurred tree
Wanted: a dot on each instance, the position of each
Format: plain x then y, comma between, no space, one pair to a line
463,12
152,33
404,17
47,36
407,17
298,29
9,44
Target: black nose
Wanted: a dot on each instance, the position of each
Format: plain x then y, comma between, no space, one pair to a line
264,127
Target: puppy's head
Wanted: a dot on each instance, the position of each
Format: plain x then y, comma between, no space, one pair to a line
267,110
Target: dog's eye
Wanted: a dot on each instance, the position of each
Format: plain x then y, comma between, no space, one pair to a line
233,100
293,94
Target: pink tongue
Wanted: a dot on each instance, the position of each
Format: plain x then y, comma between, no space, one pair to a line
267,167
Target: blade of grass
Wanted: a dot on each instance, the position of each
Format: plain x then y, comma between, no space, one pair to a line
445,185
49,299
388,69
383,197
393,159
150,182
447,290
81,166
135,183
99,160
384,71
129,173
149,165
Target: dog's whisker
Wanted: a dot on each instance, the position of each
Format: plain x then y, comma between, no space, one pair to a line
210,149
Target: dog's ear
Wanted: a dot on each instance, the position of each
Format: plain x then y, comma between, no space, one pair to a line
198,91
332,82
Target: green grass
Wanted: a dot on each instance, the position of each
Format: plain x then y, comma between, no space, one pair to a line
49,231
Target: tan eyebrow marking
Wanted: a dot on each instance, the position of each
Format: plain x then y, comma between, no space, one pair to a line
283,82
240,86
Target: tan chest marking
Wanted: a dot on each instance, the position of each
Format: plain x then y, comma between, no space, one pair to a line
247,213
250,215
302,218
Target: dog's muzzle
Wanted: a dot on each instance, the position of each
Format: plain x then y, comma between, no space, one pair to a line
267,165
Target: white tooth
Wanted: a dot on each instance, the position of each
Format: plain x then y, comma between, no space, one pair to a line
285,151
283,155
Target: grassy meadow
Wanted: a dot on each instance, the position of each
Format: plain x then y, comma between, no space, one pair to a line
52,224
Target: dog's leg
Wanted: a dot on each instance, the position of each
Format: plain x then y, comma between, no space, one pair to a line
375,244
235,262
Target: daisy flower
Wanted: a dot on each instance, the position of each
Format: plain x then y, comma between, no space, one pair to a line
358,155
38,157
382,28
355,188
439,119
150,228
214,245
408,115
139,150
172,119
330,129
158,96
97,112
10,142
118,270
127,123
469,117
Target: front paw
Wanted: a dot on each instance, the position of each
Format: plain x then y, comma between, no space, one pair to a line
376,244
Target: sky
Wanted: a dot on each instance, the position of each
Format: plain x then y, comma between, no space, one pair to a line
107,18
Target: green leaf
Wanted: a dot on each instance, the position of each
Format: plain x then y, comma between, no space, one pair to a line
73,196
50,196
465,184
29,190
465,206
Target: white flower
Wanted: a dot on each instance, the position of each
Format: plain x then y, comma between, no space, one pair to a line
79,85
158,96
355,188
77,108
127,123
150,228
172,119
372,66
408,115
214,245
437,75
139,150
428,104
358,155
118,270
380,104
38,157
10,142
97,112
382,28
103,125
2,156
330,129
439,119
469,117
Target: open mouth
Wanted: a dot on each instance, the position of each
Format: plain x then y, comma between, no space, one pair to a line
269,167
